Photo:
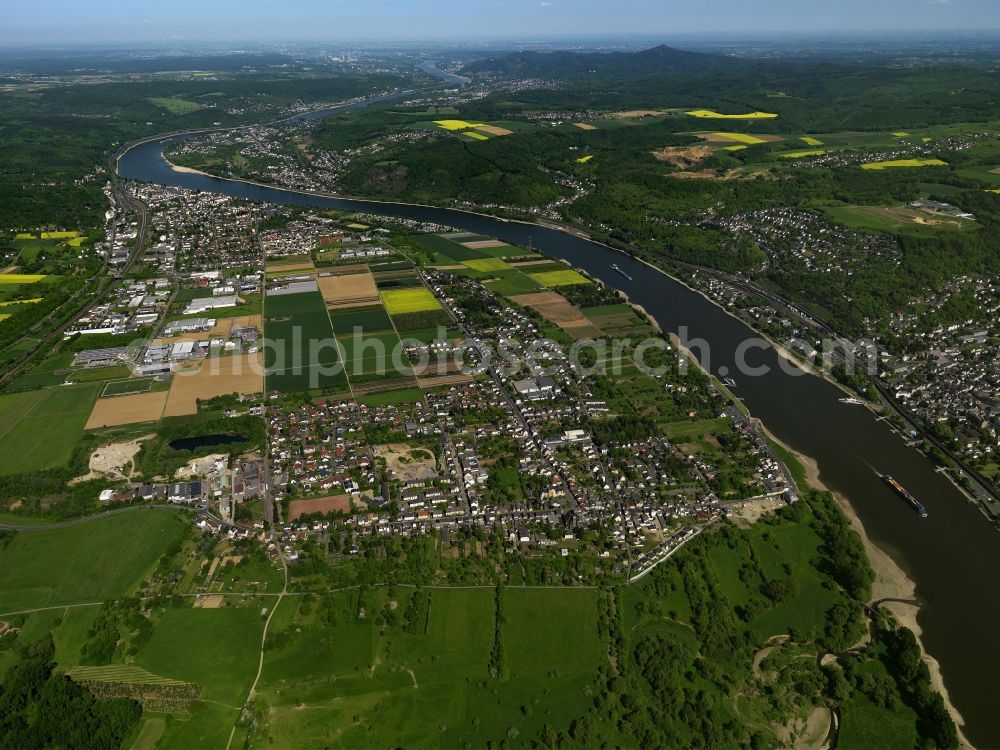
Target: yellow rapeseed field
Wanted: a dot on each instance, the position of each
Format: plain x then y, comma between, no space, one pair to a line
713,115
741,138
458,124
800,154
415,299
896,163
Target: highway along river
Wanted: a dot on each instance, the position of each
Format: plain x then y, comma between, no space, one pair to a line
953,555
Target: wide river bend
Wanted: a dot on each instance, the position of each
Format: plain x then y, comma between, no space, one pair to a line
953,555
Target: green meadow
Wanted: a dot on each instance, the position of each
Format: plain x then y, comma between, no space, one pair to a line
174,105
212,647
89,562
359,684
40,429
303,354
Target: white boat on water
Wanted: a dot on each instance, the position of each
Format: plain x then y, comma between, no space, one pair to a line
852,401
614,267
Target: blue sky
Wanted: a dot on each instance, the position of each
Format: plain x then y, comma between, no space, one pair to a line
61,21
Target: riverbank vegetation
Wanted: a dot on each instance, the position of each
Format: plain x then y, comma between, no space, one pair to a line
691,211
747,636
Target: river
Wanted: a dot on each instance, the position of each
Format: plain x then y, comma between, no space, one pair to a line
952,555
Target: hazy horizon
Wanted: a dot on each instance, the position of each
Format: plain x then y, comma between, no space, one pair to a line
60,22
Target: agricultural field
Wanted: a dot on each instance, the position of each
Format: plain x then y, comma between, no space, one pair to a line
117,373
47,253
348,290
116,409
323,505
904,164
90,562
512,282
432,677
17,287
444,250
556,309
20,279
214,648
53,370
487,264
565,277
710,114
396,396
211,647
457,124
369,354
989,174
745,138
368,320
503,250
149,735
500,276
896,218
803,154
216,376
72,632
303,354
121,673
174,105
371,350
288,264
40,429
412,300
477,131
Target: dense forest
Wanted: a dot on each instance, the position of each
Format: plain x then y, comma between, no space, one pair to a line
40,708
53,139
629,199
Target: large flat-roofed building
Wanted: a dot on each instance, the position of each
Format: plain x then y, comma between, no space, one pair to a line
191,325
202,304
101,357
296,287
182,349
535,389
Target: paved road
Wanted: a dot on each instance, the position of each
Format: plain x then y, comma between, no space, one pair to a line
204,512
85,519
98,293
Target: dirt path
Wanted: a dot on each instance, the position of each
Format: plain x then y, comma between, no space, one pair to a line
263,639
816,730
759,657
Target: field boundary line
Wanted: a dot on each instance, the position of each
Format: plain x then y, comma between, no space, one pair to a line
21,418
263,640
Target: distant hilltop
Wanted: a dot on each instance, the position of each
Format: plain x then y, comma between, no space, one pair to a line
657,60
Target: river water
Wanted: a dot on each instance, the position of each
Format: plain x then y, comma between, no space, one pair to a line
952,555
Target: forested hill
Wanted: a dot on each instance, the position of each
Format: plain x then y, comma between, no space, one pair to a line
562,64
